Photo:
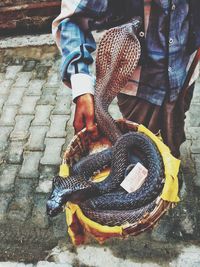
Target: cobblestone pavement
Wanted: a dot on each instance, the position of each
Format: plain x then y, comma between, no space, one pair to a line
36,116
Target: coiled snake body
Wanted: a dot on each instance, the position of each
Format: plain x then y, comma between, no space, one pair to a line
117,57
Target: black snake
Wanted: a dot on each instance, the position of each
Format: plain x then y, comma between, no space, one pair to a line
117,57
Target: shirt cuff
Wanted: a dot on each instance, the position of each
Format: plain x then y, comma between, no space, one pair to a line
82,83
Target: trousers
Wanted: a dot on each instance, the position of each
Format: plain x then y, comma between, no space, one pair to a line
167,119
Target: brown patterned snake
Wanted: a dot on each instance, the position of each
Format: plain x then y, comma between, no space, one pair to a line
117,57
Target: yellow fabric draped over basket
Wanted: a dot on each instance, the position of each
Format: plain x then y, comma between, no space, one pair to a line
79,226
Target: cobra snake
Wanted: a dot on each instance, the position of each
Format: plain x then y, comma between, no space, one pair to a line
117,57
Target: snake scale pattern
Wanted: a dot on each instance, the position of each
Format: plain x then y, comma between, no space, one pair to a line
106,202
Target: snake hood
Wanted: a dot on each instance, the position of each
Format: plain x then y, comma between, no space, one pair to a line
117,57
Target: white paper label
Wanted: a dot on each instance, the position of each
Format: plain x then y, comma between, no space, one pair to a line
135,178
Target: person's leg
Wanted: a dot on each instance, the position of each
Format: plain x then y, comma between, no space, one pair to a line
172,128
173,114
169,118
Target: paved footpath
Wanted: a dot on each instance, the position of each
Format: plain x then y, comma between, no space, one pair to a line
36,116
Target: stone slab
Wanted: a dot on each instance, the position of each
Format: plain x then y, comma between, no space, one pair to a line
21,129
23,79
42,115
58,126
52,154
5,199
47,99
15,152
4,134
53,79
35,87
15,97
36,139
12,71
62,106
27,40
7,178
5,87
44,186
3,99
30,166
28,105
64,91
21,206
39,216
8,116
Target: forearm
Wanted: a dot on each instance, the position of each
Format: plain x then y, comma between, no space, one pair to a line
76,47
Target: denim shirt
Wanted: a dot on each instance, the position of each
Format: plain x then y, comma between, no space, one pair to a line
164,65
164,71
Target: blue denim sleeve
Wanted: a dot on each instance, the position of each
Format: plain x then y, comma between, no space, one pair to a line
76,46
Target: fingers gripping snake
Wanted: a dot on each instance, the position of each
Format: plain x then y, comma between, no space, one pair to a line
117,57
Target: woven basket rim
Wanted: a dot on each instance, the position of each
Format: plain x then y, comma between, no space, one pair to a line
79,145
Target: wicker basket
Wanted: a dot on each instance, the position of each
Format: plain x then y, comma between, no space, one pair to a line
82,145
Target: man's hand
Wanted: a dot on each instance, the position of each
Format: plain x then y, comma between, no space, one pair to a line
84,114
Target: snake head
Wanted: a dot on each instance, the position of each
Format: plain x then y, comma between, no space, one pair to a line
134,25
67,189
59,196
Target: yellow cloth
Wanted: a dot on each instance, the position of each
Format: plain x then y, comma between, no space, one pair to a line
101,176
78,223
171,166
64,170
